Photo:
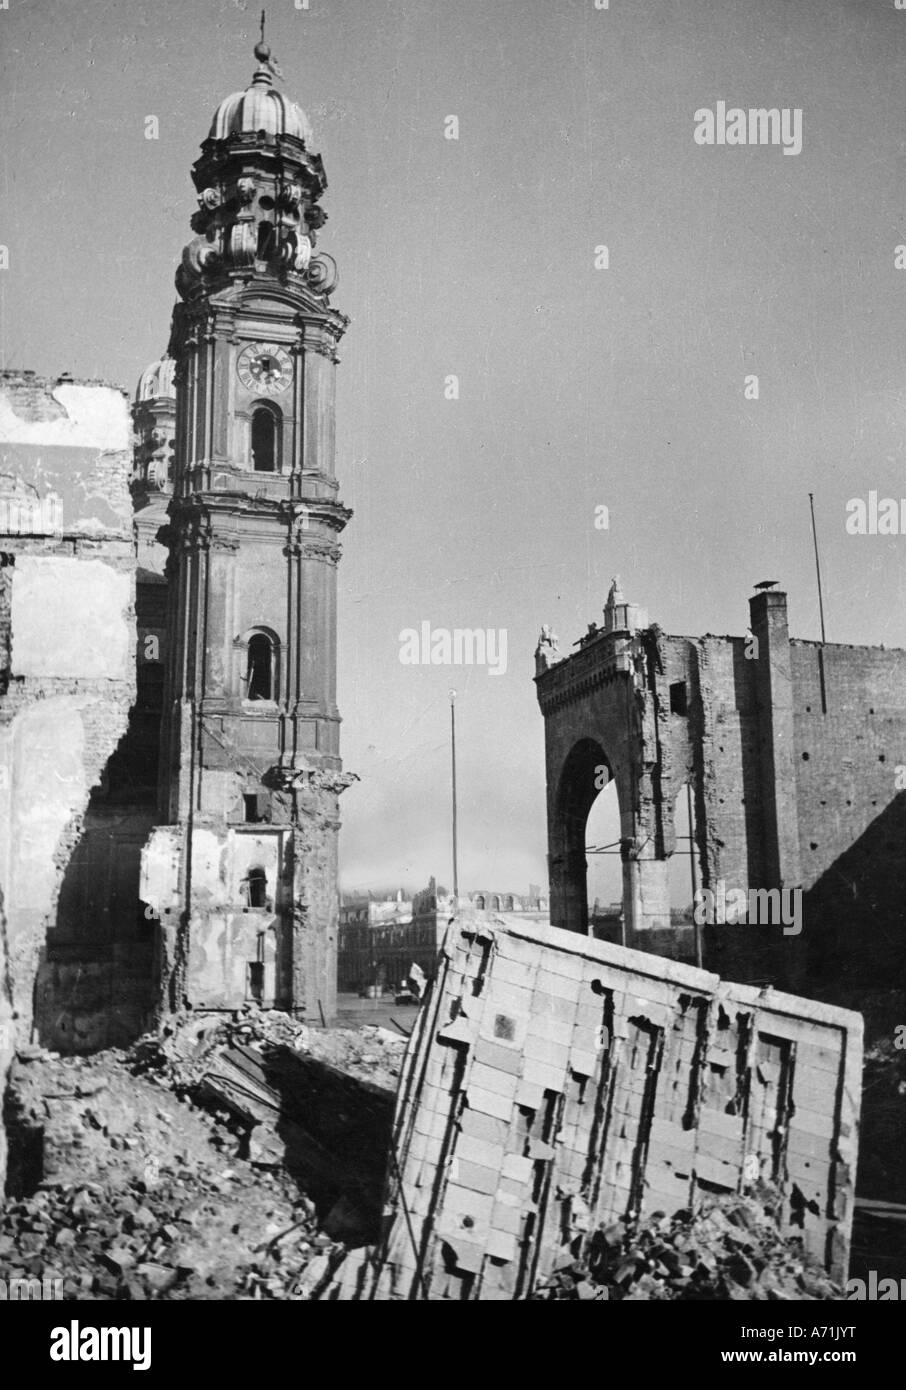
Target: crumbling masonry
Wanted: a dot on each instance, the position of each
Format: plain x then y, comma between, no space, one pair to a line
791,750
67,682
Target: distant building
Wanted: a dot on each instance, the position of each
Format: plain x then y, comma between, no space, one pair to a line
379,942
372,937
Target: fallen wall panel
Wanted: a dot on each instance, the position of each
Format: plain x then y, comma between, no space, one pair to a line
554,1083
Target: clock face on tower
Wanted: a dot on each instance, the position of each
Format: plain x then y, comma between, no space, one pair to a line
265,367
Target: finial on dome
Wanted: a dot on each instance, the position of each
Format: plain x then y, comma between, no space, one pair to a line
262,52
267,68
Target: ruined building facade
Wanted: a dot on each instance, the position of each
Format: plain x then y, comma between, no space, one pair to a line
169,733
791,751
67,684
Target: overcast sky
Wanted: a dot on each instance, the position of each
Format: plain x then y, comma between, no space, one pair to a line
579,387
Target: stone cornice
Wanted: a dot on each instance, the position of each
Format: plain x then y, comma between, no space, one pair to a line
567,693
223,523
593,666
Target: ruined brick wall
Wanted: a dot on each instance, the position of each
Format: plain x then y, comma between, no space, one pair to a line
792,752
846,759
67,628
852,815
729,796
685,713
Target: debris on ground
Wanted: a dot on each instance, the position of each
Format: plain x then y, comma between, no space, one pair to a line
183,1050
136,1176
730,1249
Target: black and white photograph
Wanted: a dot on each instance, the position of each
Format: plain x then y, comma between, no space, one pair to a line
452,666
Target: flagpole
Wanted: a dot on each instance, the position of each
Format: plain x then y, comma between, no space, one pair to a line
453,753
696,928
811,502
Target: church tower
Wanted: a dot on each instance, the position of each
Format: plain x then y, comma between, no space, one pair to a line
243,874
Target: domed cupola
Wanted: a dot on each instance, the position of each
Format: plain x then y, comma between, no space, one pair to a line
154,422
258,183
156,382
260,108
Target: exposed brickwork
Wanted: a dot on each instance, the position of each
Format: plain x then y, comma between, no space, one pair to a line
791,749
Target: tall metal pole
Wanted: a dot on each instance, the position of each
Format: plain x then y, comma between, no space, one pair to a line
453,750
811,502
696,928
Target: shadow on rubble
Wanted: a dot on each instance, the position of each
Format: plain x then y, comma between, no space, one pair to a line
330,1131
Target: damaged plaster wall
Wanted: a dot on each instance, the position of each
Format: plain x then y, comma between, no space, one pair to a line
555,1084
248,913
67,635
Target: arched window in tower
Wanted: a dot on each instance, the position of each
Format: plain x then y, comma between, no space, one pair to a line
260,668
264,441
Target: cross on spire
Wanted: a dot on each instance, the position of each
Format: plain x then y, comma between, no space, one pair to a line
263,54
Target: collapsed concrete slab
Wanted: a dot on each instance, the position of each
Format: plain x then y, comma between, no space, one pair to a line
554,1083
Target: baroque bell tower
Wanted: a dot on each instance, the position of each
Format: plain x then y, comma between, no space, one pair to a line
243,874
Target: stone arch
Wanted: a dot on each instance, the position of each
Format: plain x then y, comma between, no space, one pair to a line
573,786
578,785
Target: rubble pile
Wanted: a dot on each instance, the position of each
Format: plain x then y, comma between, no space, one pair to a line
243,1158
190,1238
730,1248
123,1188
185,1050
317,1104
